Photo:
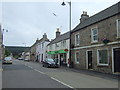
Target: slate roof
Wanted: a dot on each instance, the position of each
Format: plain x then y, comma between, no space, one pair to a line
60,38
109,12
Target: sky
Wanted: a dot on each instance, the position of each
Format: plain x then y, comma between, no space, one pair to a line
27,20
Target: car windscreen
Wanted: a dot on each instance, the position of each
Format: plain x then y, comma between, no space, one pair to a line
50,60
8,58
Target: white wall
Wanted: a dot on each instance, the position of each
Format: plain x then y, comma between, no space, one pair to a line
54,48
41,50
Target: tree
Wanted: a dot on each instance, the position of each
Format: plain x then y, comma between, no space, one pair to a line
7,52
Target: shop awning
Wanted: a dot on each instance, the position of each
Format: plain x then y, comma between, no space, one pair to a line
58,51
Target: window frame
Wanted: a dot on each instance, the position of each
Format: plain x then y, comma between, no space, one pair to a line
77,44
77,62
92,36
118,20
101,64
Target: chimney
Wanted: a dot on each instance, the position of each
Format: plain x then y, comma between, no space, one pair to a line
84,16
45,36
37,40
57,33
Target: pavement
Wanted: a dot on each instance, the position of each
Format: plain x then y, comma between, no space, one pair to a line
93,73
76,78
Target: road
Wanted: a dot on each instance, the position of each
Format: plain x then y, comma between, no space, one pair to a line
32,75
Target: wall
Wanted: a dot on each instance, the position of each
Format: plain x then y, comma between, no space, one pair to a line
106,29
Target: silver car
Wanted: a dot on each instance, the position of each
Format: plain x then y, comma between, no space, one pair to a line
7,60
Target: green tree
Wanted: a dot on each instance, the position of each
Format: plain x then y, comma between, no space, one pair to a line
7,52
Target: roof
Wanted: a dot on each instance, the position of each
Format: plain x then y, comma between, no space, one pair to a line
109,12
60,38
42,39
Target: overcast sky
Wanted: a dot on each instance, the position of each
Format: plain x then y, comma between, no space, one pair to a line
27,21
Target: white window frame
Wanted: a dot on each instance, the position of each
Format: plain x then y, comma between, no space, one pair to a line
76,44
118,36
100,64
77,62
92,37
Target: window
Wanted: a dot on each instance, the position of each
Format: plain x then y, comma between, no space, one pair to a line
94,33
63,43
77,57
102,57
118,28
42,45
77,39
56,45
50,47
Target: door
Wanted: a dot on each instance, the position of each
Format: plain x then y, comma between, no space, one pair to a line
116,60
89,59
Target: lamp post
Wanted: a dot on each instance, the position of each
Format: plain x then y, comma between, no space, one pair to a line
2,45
63,4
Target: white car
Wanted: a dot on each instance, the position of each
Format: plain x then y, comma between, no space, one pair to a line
26,59
7,60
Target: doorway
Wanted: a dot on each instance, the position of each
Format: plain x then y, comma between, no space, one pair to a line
89,53
116,53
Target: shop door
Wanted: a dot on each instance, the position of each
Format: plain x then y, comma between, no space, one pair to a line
89,59
117,60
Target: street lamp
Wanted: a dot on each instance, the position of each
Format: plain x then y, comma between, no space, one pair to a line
63,4
3,30
2,45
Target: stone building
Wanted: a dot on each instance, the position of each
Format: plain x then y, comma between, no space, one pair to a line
58,48
96,41
33,51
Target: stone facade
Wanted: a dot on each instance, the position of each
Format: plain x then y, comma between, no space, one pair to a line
107,29
33,52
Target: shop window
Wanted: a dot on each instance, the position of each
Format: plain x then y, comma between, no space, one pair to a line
102,57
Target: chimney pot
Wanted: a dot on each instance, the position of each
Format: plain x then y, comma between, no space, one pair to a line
84,16
57,33
45,36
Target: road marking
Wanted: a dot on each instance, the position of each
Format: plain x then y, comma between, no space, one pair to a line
30,67
61,82
39,71
35,69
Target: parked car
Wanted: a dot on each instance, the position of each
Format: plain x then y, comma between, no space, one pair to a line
50,63
26,59
20,58
7,60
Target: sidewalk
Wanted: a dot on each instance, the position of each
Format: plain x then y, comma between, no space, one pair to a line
94,73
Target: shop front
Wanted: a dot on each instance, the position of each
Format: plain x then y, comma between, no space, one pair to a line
60,56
